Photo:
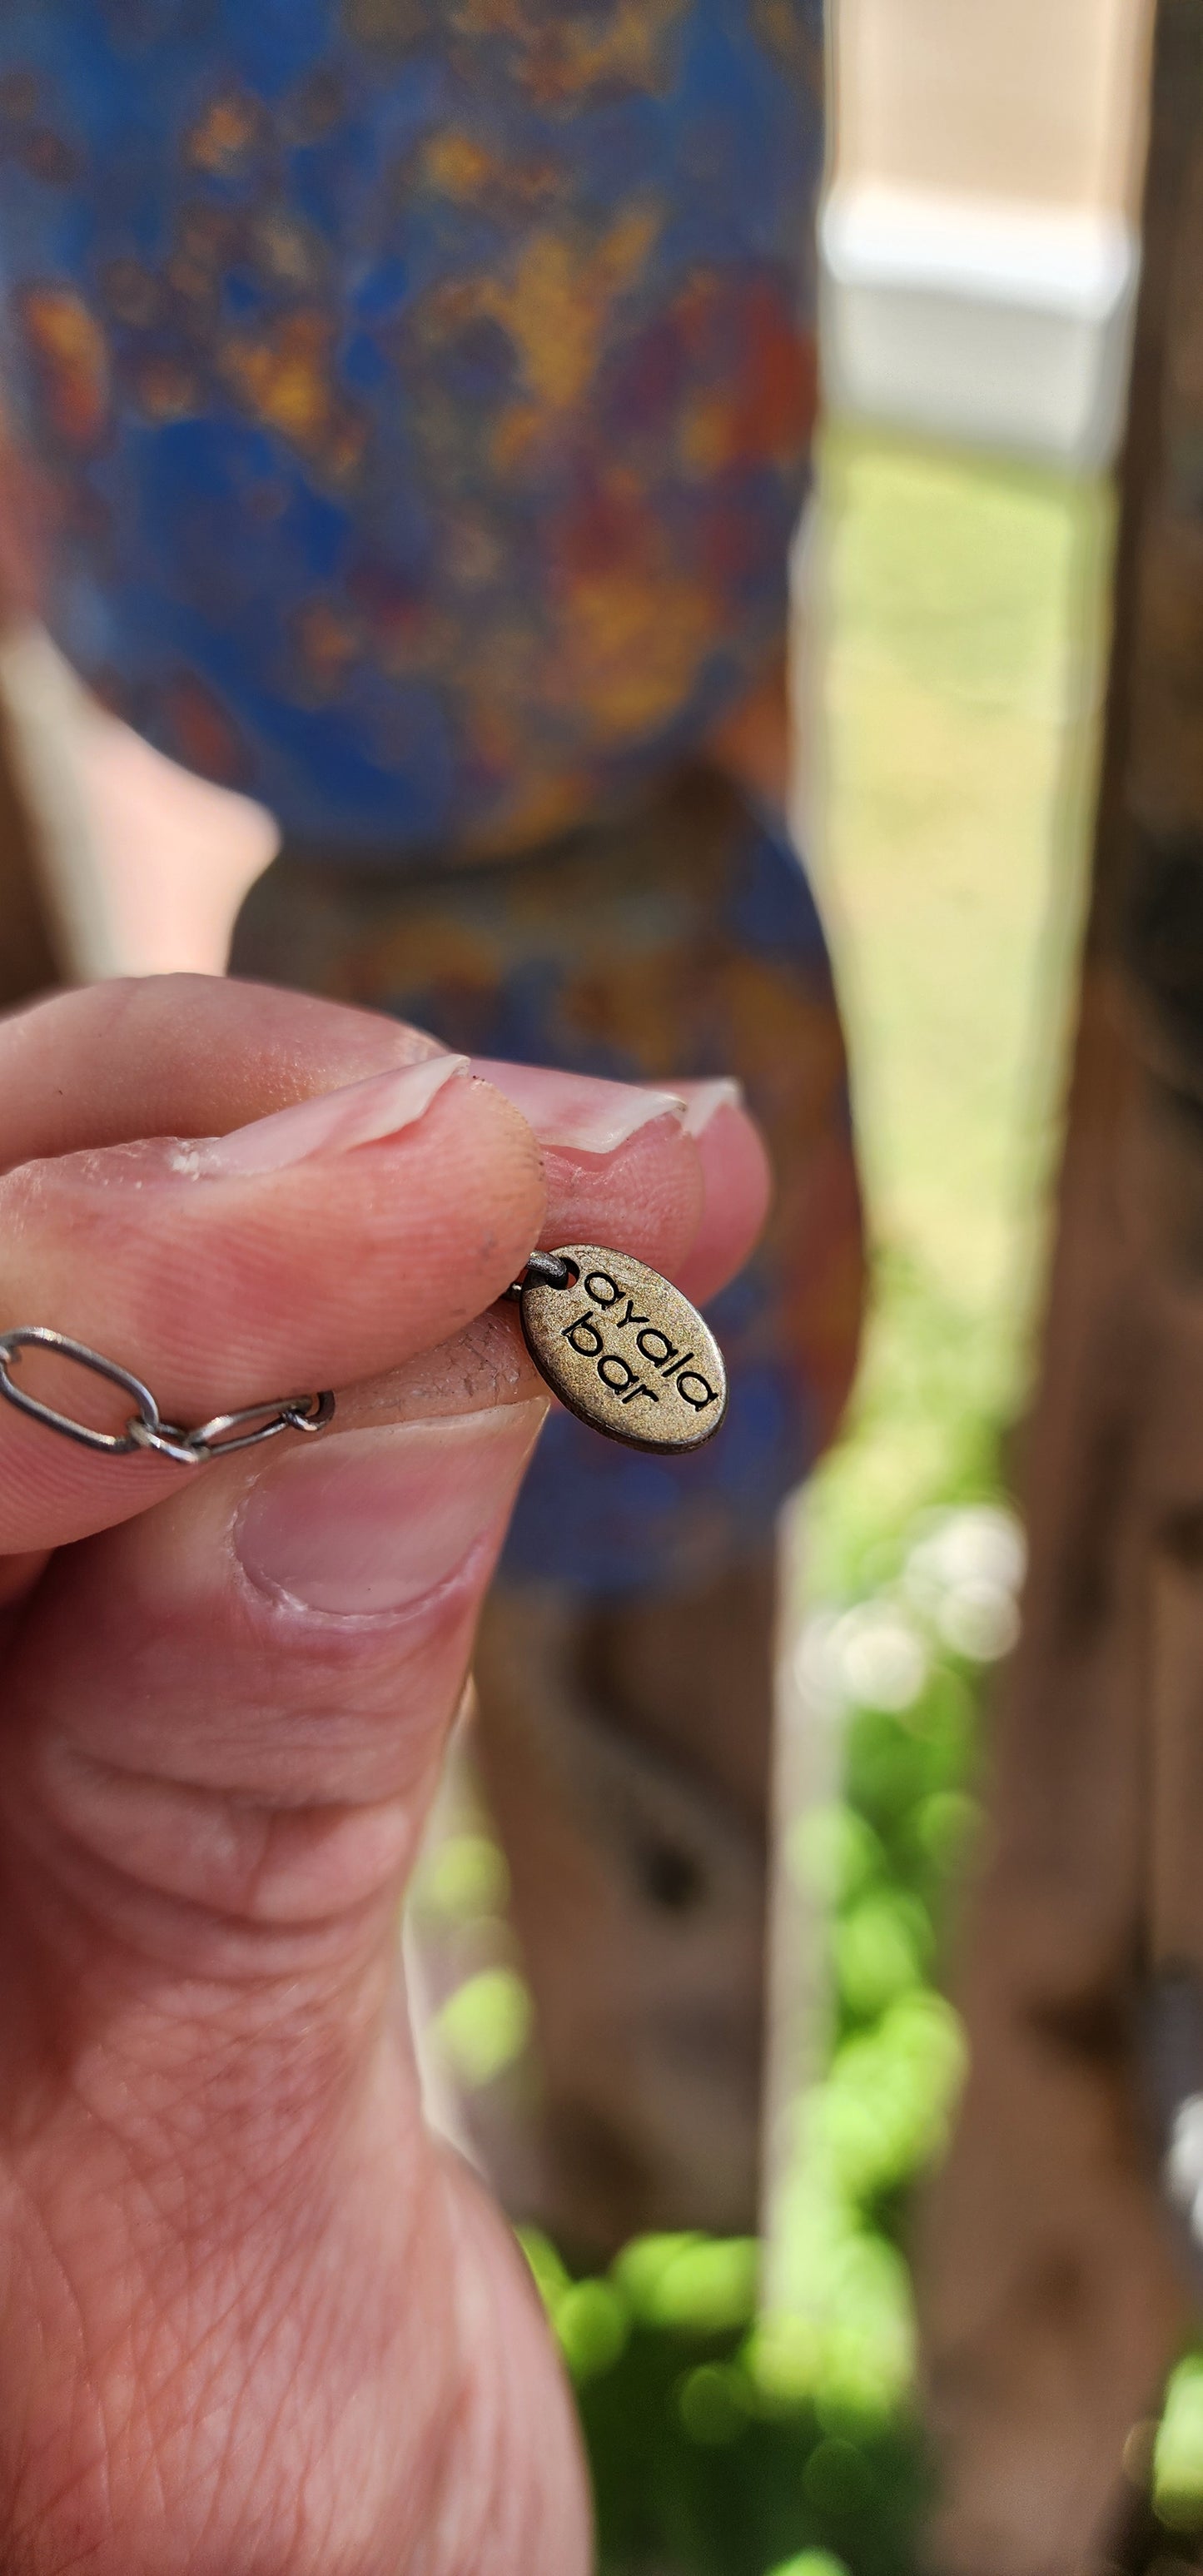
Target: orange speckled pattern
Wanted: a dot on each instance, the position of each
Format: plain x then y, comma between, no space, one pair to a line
420,392
420,387
677,938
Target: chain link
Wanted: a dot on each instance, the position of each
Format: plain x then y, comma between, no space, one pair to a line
146,1429
548,1269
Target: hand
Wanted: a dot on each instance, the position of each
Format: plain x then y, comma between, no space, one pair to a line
255,2320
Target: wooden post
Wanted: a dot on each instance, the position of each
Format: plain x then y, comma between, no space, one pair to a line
1050,2286
28,962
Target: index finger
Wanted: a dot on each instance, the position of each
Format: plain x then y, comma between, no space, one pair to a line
328,1243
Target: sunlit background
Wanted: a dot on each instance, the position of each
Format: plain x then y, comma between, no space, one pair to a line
749,2406
749,2409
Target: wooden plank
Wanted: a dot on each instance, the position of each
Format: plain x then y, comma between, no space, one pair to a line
27,953
1050,2288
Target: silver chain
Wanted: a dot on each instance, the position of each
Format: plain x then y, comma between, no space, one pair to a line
146,1428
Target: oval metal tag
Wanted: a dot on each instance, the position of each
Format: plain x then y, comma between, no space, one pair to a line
625,1350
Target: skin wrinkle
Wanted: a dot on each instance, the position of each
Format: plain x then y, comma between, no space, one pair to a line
260,2318
158,1286
80,1219
239,1956
163,2047
403,1786
203,2259
246,2340
148,2390
170,2167
144,2181
247,2364
156,1260
288,1046
275,1837
257,2330
325,1690
257,2308
137,2377
218,2114
290,2301
279,1620
22,2237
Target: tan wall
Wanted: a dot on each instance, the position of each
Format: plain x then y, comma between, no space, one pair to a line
1006,98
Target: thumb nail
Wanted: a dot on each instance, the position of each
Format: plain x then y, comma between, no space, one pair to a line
330,1122
371,1522
579,1111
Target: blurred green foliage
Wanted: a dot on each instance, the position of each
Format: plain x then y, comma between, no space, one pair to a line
964,614
960,603
965,606
728,2442
706,2456
485,2024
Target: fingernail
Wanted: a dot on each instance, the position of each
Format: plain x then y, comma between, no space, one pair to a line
578,1110
360,1113
372,1522
704,1099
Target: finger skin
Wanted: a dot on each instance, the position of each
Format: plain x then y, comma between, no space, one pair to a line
257,2321
222,1292
264,2323
737,1187
177,1055
225,1292
146,1661
253,2317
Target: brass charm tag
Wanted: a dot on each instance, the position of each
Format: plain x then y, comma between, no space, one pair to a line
623,1349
